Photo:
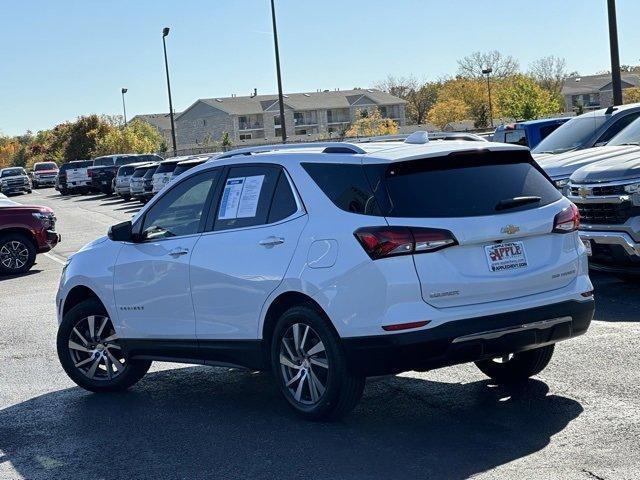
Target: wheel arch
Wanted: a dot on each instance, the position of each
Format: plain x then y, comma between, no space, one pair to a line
281,304
22,231
76,295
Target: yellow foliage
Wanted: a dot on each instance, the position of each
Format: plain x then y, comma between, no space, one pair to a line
372,125
631,95
8,150
136,137
447,111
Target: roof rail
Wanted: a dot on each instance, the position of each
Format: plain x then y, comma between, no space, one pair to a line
330,147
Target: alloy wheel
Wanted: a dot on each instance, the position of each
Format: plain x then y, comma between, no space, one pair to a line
304,364
95,350
14,255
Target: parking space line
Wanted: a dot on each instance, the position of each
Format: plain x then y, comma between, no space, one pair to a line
55,259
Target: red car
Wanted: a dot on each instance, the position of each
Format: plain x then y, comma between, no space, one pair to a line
25,230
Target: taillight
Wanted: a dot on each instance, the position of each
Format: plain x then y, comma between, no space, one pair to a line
382,242
568,220
89,173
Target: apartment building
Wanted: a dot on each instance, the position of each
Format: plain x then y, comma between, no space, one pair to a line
256,118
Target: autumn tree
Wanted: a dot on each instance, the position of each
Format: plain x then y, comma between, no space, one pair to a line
473,94
631,95
84,135
135,137
448,111
502,66
371,124
420,96
521,98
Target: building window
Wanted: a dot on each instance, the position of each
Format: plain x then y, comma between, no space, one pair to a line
245,136
383,112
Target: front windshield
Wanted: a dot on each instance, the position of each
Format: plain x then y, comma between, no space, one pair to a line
12,172
628,136
570,135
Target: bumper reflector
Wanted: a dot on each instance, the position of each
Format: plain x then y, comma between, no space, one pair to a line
404,326
587,294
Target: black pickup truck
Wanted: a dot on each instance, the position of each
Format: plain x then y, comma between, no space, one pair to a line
104,169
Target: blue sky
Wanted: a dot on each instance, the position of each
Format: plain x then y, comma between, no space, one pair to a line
61,59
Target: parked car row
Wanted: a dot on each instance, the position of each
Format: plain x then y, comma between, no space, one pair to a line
143,180
594,160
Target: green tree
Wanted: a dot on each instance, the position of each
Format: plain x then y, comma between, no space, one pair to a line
136,137
521,98
225,140
420,97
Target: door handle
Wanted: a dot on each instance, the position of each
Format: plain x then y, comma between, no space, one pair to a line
271,241
177,252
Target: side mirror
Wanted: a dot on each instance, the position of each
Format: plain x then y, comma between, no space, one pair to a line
122,232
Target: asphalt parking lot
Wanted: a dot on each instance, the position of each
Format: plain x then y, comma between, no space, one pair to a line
579,419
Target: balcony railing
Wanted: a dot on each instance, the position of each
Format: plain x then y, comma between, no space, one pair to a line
250,126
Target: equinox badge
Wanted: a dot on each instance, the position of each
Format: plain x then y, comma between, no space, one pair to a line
510,229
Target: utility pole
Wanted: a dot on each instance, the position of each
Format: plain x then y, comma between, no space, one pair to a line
165,32
283,128
124,108
616,80
487,71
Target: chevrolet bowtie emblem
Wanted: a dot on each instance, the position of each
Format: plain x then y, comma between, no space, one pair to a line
510,229
584,192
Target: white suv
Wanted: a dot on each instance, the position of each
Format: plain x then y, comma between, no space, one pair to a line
328,263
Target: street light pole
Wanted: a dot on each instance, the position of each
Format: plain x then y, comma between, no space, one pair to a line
124,108
165,32
616,80
487,71
283,128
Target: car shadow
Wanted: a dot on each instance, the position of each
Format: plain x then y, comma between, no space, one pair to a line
616,300
33,271
201,422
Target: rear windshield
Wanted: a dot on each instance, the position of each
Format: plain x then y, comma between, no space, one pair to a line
38,167
181,168
125,171
81,164
102,162
166,167
149,173
139,172
451,186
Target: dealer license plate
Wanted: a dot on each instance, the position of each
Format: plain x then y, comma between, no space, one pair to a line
506,256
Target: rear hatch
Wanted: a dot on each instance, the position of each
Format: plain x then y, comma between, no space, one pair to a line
502,248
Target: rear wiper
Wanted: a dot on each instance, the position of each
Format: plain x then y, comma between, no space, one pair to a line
516,202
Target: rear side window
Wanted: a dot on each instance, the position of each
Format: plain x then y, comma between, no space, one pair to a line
461,185
346,185
284,203
616,128
139,172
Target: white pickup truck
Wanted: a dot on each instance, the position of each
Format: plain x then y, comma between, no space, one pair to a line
73,177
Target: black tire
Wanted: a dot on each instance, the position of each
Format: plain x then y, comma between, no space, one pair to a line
519,367
132,371
24,250
126,198
342,389
64,192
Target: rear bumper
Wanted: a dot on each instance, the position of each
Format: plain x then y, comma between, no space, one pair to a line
468,340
